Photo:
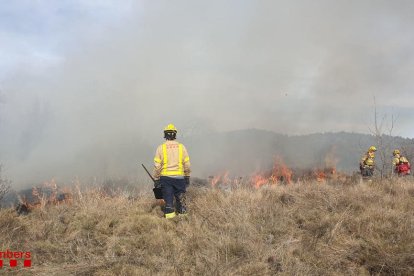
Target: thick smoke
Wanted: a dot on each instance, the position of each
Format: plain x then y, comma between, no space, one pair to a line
87,88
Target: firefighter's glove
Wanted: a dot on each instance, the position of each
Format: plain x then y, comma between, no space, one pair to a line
157,184
187,181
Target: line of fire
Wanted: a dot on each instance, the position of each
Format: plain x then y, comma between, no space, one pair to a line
278,173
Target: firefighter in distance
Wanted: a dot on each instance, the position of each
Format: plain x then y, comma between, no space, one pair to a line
401,166
367,163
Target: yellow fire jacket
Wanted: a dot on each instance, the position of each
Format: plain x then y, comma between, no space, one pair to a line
171,159
398,159
368,159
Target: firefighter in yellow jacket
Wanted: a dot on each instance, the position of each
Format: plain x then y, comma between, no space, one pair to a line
172,172
367,163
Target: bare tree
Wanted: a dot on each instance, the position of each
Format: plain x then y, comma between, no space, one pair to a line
382,131
4,184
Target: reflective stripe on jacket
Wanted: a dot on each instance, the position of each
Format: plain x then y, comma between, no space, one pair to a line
368,159
171,159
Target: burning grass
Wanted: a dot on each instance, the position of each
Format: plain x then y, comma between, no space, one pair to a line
280,174
298,229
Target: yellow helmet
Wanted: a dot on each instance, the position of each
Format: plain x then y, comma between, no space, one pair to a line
171,128
395,152
372,148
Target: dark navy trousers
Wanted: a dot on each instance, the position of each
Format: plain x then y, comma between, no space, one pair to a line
173,188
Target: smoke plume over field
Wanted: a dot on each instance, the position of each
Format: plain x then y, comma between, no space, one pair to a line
85,89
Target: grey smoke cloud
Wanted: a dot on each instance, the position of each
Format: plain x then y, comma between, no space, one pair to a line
89,82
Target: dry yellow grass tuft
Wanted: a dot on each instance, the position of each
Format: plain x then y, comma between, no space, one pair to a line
300,229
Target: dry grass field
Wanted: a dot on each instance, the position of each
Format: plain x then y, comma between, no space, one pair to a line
298,229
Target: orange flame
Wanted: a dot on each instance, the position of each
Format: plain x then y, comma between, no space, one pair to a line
259,180
47,194
221,178
329,169
320,176
280,173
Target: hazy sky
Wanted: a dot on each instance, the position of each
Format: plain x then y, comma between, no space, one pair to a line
81,73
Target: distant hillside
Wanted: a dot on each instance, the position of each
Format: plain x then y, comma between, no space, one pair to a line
244,151
238,152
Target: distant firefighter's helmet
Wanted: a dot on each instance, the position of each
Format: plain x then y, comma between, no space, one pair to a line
395,152
372,148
